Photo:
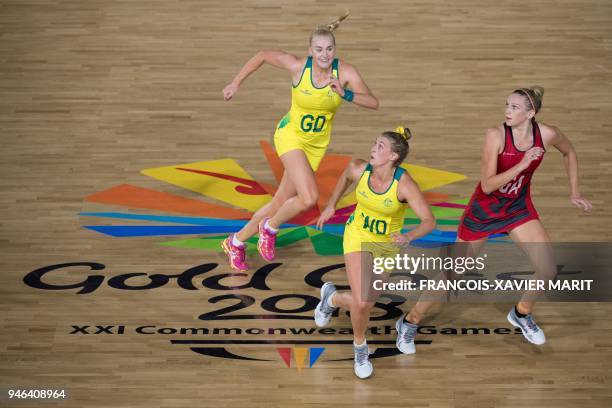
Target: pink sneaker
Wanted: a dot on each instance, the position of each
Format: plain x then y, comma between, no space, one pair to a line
237,255
266,243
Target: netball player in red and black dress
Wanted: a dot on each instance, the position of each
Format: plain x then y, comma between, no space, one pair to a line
502,202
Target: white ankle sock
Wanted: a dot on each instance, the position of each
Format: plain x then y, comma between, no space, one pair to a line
236,241
360,345
269,228
330,302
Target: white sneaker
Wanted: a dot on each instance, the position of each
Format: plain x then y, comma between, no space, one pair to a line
405,336
363,367
531,331
323,312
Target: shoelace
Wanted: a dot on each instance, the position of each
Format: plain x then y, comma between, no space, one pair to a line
265,242
361,355
325,308
236,252
408,334
531,324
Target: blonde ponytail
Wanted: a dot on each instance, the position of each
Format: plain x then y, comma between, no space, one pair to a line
328,29
336,23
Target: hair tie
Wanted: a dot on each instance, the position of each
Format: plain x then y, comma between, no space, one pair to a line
402,131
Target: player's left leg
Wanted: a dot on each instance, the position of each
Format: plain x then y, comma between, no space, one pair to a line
408,324
535,243
234,245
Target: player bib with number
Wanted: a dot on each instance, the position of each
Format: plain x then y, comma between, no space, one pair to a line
378,215
372,223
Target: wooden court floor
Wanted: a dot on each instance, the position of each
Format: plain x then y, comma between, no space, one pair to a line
94,92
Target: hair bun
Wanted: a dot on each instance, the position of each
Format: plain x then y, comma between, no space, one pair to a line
538,91
404,131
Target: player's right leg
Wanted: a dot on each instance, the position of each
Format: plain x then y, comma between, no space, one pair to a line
359,271
302,177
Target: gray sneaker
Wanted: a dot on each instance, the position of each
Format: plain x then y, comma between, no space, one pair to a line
405,336
363,367
323,312
531,331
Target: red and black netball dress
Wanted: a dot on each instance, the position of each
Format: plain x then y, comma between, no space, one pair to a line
510,205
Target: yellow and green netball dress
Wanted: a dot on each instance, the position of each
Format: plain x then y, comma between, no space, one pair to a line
308,124
376,217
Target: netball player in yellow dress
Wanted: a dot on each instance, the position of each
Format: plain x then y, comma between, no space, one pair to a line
383,191
320,83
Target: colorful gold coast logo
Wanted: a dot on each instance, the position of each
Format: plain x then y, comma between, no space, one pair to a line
203,225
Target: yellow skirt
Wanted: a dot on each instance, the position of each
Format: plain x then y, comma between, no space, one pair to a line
286,139
355,240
